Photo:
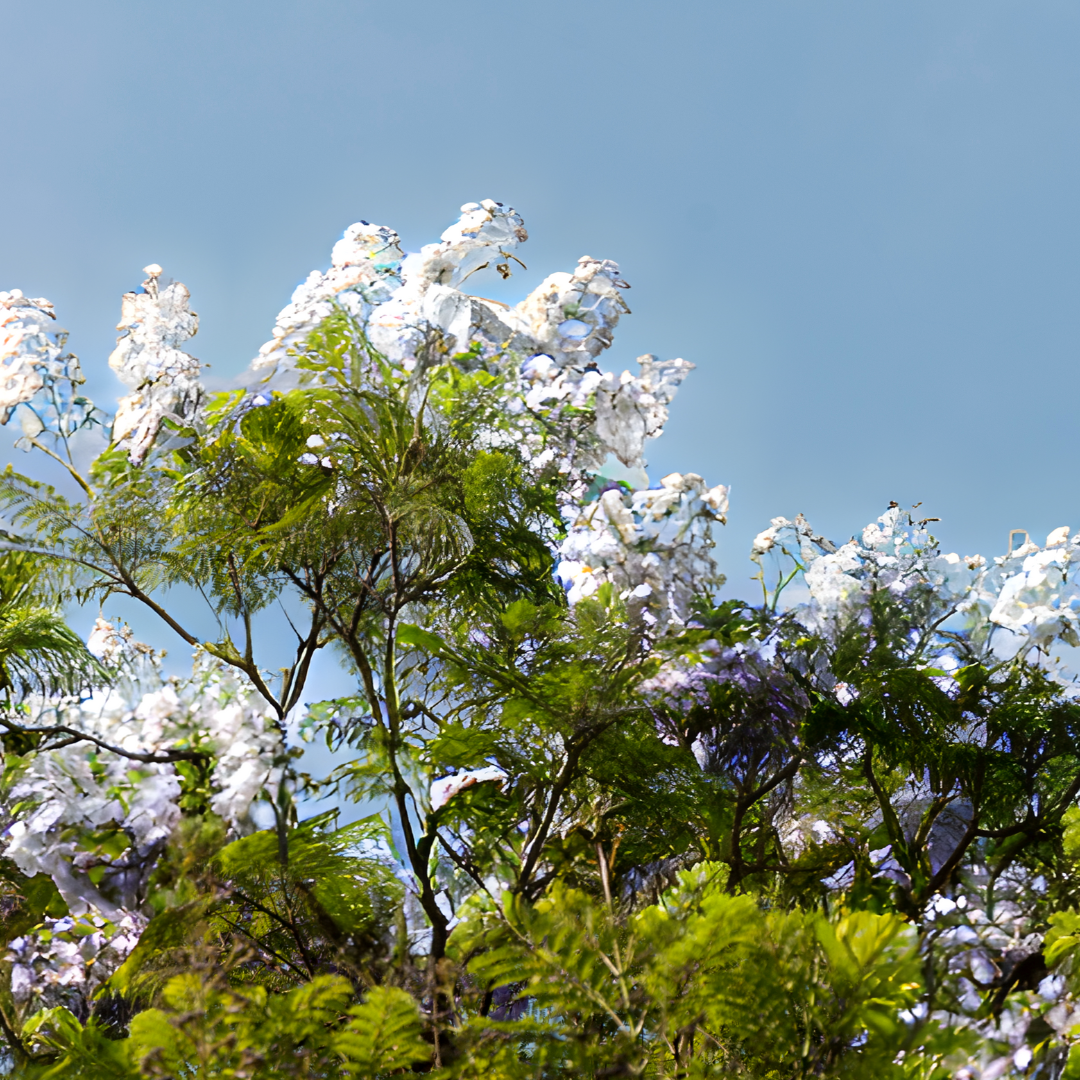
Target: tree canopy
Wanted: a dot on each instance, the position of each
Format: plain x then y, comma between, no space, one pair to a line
586,814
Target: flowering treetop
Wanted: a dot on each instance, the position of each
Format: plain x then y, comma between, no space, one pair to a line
418,477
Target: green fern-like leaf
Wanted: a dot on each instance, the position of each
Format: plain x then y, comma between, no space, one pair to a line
383,1034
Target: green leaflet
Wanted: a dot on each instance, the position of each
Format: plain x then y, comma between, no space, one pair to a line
152,960
382,1034
204,1029
761,993
82,1053
222,1033
419,638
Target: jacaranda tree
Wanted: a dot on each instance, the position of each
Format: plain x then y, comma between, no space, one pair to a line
600,818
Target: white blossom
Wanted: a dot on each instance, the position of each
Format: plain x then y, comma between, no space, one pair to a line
1033,592
105,641
75,791
249,745
632,408
28,344
364,266
80,789
71,956
545,347
572,316
659,538
163,379
36,373
443,790
1037,600
764,541
1060,535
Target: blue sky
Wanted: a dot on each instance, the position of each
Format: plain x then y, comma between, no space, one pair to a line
859,219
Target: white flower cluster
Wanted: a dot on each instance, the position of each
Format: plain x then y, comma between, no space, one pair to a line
1034,592
215,710
653,543
36,372
69,956
93,820
1026,599
631,409
545,346
29,347
653,546
107,642
445,788
249,748
429,301
163,379
364,269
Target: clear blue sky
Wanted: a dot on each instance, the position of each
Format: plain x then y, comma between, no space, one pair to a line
859,219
